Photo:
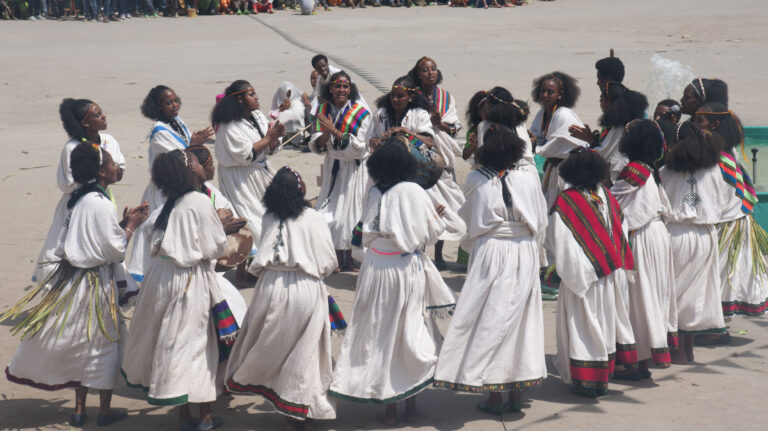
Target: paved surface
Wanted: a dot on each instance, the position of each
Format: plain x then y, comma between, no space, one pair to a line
116,64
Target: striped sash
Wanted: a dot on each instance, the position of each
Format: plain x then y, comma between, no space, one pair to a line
348,121
636,173
734,175
607,250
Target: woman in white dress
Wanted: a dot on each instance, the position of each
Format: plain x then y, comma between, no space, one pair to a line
390,348
288,364
288,108
652,305
742,242
168,133
557,93
243,141
495,341
588,239
692,181
182,326
445,126
341,130
141,251
84,121
75,342
620,105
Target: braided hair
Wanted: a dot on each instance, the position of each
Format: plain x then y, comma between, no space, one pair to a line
72,113
171,174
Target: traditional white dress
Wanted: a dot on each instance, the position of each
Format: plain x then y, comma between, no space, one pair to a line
447,192
73,351
495,341
243,174
609,149
390,348
555,142
163,139
341,195
67,185
652,305
141,258
744,284
283,351
172,348
293,117
586,307
417,120
696,205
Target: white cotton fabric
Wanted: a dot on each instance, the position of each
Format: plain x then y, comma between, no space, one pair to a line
417,120
586,308
342,206
141,258
651,290
285,345
67,185
496,337
609,149
172,346
694,241
293,117
243,177
93,239
162,140
390,348
555,144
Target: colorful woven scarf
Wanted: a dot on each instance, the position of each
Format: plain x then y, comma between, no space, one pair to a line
636,173
440,99
226,328
334,312
348,121
606,250
735,175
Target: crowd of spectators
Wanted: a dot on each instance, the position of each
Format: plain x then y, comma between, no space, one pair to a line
116,10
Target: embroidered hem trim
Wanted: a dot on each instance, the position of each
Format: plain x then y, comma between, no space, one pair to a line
174,401
661,357
704,331
43,386
626,354
744,309
407,394
488,387
672,341
282,405
590,374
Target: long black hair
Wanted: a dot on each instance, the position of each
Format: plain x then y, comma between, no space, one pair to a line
698,149
391,163
502,108
624,106
414,72
149,107
85,166
171,174
584,168
418,100
730,126
501,148
610,67
72,113
283,196
571,90
473,109
643,141
229,107
354,94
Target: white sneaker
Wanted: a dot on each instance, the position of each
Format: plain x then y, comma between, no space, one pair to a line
32,18
40,17
127,15
122,16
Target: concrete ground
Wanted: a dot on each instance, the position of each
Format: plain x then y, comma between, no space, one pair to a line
116,64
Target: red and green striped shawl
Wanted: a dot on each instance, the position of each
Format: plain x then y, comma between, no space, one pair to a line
348,122
607,250
636,173
441,99
734,175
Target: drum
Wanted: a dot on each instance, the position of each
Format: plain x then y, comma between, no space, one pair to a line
430,164
239,246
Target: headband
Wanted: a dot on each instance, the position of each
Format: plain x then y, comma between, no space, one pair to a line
702,94
340,79
298,178
88,112
500,100
554,77
240,91
425,58
410,90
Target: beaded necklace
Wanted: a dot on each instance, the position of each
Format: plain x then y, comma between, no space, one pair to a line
548,121
179,131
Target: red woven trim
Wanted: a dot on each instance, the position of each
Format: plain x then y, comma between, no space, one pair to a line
661,357
283,406
23,381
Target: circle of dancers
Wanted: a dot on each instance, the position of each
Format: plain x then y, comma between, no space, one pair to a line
596,231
